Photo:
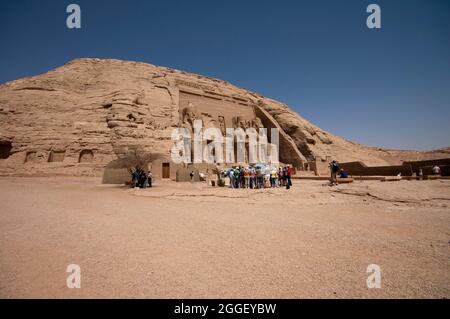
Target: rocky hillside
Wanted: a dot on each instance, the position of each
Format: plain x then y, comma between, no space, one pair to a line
79,117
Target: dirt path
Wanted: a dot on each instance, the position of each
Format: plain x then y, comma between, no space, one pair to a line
184,240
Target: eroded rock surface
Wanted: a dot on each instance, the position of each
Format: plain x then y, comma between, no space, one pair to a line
77,118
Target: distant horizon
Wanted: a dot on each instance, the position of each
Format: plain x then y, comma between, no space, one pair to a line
384,88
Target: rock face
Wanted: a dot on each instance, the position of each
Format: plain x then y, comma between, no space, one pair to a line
79,117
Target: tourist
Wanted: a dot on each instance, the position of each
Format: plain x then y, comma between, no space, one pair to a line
237,173
273,178
259,177
267,171
284,176
247,177
436,170
192,174
288,177
231,176
280,177
343,174
334,169
142,179
242,177
252,174
420,174
276,176
134,178
149,178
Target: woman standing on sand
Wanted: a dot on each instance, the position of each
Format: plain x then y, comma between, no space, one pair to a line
247,177
273,178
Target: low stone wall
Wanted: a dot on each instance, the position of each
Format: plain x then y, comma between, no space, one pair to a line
360,169
406,169
116,176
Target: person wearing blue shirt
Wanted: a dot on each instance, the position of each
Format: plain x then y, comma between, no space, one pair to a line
343,174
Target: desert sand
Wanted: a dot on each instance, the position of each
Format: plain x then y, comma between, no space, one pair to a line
183,240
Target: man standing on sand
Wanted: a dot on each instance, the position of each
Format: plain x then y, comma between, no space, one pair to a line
247,177
231,176
288,177
237,174
334,169
134,178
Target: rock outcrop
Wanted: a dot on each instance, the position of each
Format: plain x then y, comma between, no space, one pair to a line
77,118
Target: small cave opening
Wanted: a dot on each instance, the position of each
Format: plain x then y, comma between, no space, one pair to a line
131,117
5,150
86,156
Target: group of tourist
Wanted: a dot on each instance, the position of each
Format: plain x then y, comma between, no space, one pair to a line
254,176
140,178
258,176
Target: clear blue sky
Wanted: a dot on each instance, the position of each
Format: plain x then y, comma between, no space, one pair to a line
388,87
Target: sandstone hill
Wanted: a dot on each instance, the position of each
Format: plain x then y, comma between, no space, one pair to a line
77,118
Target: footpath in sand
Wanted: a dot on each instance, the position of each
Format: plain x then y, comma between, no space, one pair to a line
180,240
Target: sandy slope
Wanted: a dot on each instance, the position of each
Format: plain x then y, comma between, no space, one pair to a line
182,240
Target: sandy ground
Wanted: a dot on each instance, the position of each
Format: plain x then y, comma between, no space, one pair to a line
186,240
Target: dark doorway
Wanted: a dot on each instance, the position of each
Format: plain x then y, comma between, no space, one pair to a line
86,156
5,150
166,170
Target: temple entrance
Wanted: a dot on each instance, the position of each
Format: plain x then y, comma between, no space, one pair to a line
166,170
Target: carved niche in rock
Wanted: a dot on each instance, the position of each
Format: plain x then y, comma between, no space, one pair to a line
56,156
86,156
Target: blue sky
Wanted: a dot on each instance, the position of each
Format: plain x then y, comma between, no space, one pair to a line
388,87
